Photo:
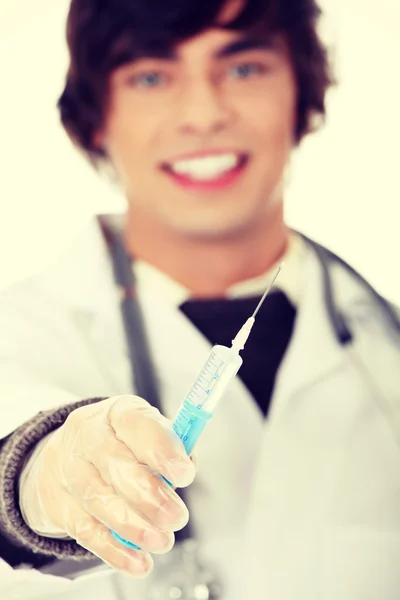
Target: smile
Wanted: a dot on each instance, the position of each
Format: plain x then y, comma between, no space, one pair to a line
208,170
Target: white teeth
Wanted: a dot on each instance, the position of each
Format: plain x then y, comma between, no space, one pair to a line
208,167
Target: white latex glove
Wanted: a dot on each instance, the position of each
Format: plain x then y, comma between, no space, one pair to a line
100,472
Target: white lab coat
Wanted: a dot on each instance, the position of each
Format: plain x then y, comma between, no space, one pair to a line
303,506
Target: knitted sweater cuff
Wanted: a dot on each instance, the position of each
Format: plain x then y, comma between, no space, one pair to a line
12,459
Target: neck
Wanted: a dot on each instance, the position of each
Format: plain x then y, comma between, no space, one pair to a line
208,267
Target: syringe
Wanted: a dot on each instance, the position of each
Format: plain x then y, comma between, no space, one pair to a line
199,404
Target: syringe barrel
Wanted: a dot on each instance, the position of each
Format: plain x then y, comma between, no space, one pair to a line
224,362
199,404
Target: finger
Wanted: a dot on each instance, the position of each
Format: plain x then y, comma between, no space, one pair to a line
95,537
99,499
143,490
151,438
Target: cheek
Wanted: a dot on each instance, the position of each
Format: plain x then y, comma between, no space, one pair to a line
276,126
272,116
132,137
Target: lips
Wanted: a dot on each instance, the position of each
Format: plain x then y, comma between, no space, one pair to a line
206,170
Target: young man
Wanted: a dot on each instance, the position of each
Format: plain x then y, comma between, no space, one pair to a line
197,107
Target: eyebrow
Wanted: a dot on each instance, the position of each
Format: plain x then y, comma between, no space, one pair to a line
245,44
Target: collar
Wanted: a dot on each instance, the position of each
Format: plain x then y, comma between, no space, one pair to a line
151,280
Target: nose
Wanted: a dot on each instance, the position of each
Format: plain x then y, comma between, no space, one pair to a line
203,110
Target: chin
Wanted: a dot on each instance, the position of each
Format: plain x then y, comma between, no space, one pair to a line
220,229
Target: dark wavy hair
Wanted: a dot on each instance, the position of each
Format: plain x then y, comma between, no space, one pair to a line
104,34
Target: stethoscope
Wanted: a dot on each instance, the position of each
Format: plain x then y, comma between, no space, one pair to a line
143,369
338,321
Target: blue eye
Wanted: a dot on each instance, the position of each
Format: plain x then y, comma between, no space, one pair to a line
148,80
245,70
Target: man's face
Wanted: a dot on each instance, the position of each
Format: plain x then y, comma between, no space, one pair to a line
200,139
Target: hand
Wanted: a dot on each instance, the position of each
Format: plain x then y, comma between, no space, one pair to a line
100,472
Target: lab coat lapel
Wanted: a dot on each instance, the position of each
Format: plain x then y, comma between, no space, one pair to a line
94,304
313,351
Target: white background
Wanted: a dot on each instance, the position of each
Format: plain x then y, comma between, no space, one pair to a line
344,189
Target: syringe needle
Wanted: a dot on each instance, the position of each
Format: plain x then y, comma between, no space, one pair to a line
267,291
243,334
